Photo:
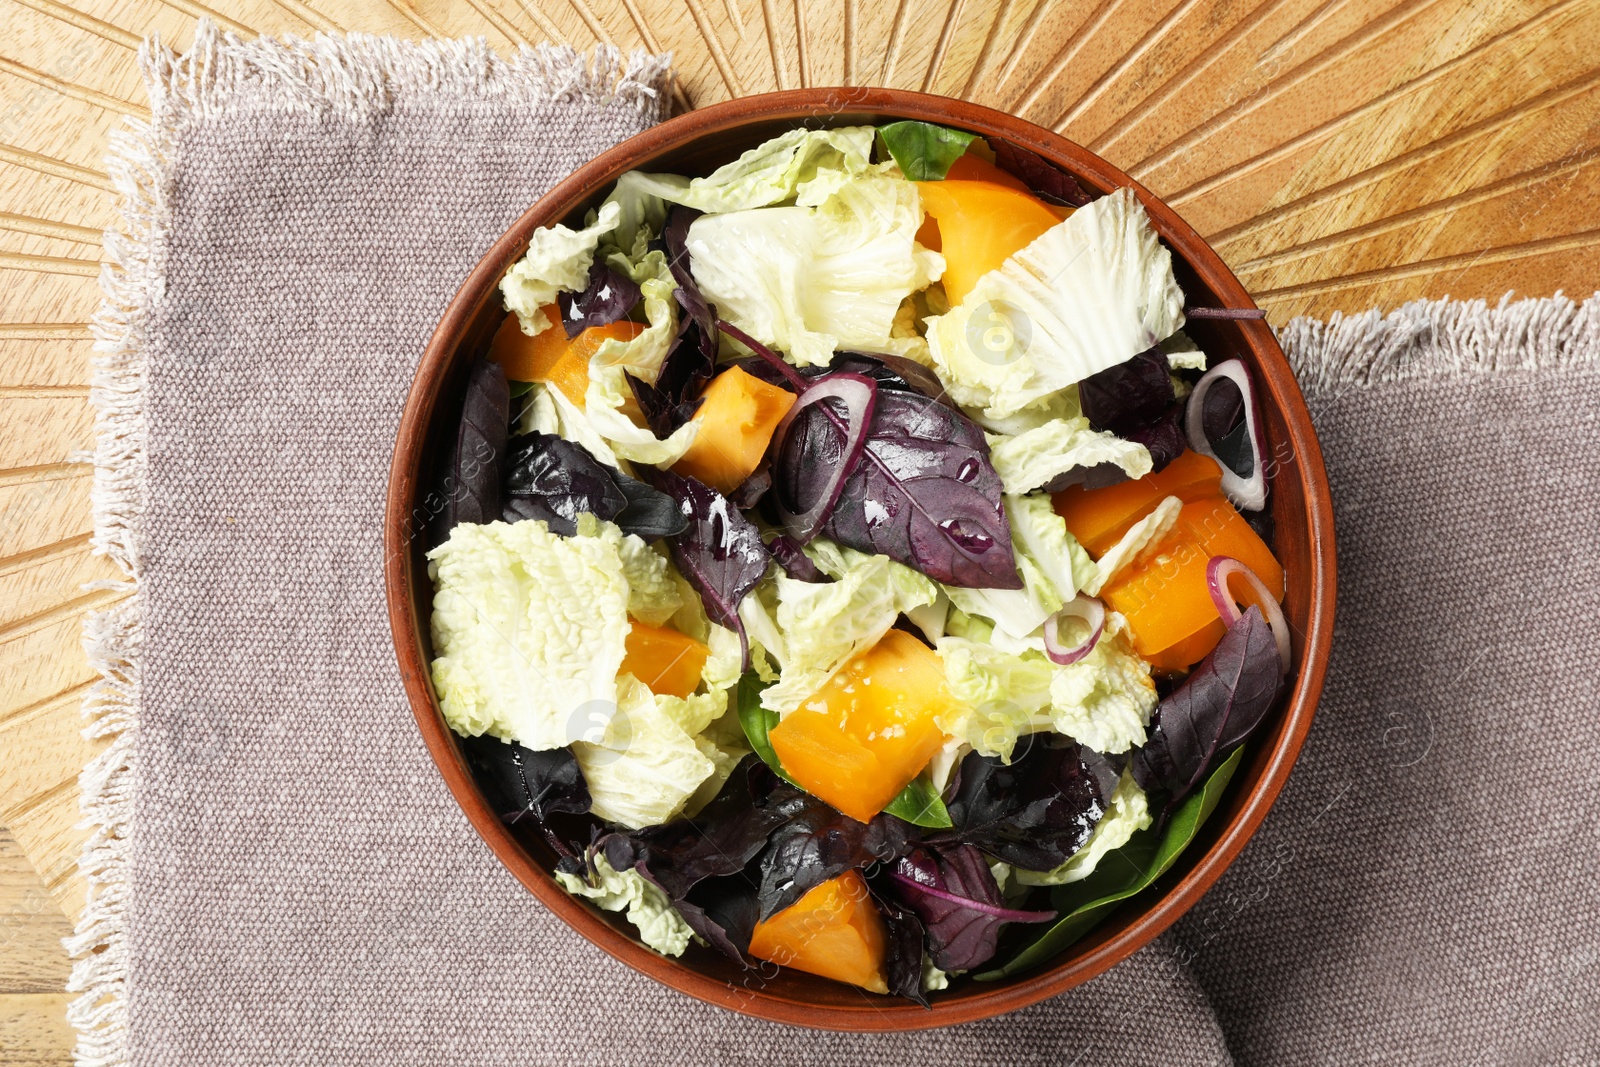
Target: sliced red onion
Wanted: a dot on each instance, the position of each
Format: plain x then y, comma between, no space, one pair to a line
1224,313
1090,611
1248,494
1219,571
859,394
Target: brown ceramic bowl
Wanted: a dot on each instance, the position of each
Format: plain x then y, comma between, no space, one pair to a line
696,143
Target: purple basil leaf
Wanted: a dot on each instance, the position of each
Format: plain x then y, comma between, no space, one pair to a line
1134,400
675,397
528,787
795,563
651,514
1130,394
789,376
1213,711
923,493
479,457
700,863
955,895
533,509
609,296
809,455
1223,410
902,957
757,367
714,914
675,236
749,492
1222,421
818,843
1046,181
726,835
1039,810
1163,438
1234,452
890,372
724,911
720,552
551,478
520,781
1261,523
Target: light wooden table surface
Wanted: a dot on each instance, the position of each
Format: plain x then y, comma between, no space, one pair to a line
1341,154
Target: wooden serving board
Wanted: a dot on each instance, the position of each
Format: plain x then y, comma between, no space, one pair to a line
1340,154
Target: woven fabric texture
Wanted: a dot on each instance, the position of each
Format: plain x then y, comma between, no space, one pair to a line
298,886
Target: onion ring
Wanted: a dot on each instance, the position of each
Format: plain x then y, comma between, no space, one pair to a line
1247,493
1219,569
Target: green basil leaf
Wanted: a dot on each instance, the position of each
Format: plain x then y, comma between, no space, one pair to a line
919,803
520,388
758,721
923,150
1120,874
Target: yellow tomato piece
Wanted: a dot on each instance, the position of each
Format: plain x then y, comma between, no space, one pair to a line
551,357
1099,517
667,661
870,729
737,418
971,168
834,931
1167,598
981,224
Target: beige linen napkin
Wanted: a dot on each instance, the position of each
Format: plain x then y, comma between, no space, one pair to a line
280,876
284,878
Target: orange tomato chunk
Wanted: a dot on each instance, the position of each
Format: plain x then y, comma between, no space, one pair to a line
980,225
1177,658
971,168
667,661
1099,517
551,357
870,729
1217,525
834,931
737,420
1167,599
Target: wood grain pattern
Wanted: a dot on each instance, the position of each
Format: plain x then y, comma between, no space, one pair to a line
1339,154
33,965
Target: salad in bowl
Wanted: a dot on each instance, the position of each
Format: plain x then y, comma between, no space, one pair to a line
848,562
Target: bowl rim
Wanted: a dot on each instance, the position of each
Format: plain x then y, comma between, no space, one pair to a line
401,529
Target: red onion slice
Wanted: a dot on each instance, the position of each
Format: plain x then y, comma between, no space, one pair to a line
859,394
1248,494
1090,611
1219,571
